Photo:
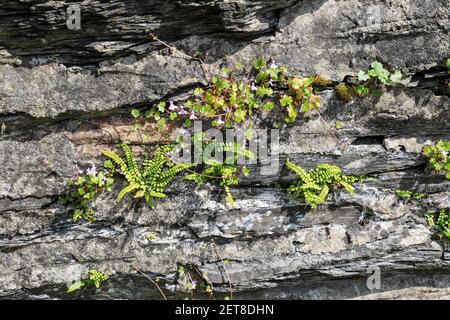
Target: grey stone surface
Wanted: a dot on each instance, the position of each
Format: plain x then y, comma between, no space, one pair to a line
65,96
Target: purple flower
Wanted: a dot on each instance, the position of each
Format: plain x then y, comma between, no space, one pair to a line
253,87
172,107
192,116
270,82
194,283
227,110
220,122
92,171
182,112
80,172
273,65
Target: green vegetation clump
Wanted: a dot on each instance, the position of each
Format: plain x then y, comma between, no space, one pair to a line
438,157
230,100
224,173
150,180
94,278
406,195
372,80
440,221
315,184
84,189
321,81
344,92
376,77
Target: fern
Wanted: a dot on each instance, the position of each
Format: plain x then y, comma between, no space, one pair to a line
440,221
150,180
314,185
224,173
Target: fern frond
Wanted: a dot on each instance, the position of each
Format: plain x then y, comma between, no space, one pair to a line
229,198
324,193
157,194
348,187
310,185
127,189
304,176
131,162
315,184
153,166
312,199
116,159
131,178
167,176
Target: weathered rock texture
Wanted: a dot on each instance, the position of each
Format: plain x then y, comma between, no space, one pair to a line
65,95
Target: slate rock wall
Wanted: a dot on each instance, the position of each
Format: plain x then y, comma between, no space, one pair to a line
66,95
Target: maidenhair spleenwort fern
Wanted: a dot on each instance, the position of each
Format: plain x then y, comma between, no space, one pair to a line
315,184
94,278
440,221
151,179
225,173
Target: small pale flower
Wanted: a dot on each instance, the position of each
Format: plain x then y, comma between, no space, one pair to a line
193,116
270,82
172,107
220,122
92,171
182,112
253,87
273,66
182,131
227,110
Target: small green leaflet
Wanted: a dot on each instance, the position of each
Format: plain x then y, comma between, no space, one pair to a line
362,76
135,113
396,76
77,285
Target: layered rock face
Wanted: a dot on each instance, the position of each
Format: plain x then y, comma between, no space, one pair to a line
65,95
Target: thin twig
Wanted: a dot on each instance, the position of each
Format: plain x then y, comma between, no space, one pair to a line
331,131
202,64
152,281
225,269
211,294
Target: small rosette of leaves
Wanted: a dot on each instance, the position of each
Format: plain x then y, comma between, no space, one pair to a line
438,157
376,77
314,185
94,278
149,180
83,190
440,221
